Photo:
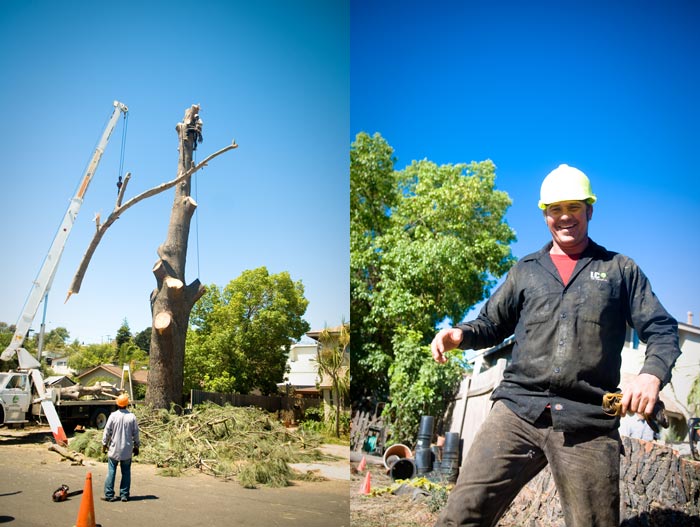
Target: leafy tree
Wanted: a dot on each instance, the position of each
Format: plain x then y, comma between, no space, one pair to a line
143,339
6,332
419,386
123,343
694,397
90,356
427,243
332,362
123,334
54,340
240,335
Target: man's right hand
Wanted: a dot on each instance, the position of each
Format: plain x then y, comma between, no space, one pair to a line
104,449
444,341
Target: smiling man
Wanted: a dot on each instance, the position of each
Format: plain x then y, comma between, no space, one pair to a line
568,307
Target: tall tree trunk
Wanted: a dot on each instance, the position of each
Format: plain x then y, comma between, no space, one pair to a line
172,301
658,488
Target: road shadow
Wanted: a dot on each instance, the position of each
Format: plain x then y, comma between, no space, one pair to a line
661,518
18,437
7,519
142,498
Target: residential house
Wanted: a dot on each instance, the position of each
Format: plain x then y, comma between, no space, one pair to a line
325,384
302,362
112,374
303,369
59,365
58,381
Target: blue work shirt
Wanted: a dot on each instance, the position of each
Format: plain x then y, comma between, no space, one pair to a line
568,338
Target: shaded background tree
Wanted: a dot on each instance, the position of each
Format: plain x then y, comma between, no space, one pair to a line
240,335
427,243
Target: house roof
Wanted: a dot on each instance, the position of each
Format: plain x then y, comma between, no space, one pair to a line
315,333
137,376
53,379
688,328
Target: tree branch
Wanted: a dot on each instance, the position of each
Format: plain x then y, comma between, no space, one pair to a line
119,209
122,190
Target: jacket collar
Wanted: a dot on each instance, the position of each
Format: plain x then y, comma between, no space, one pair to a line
591,251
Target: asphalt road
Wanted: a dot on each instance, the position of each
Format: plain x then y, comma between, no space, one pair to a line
29,473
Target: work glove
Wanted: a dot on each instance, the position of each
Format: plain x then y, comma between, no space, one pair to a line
104,449
136,450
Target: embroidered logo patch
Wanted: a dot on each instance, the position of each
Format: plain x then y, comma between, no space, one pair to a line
599,277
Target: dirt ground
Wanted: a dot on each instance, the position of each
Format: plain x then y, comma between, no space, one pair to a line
29,473
387,510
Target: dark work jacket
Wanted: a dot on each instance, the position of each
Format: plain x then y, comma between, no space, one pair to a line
568,339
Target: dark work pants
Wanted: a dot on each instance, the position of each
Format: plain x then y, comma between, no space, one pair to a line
508,452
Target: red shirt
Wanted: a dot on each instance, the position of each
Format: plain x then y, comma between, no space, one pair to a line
565,264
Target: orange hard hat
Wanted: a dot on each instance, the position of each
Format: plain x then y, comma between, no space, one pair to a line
123,401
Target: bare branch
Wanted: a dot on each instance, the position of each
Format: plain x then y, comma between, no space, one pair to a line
119,209
122,190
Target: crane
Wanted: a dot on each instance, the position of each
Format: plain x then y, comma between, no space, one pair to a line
42,284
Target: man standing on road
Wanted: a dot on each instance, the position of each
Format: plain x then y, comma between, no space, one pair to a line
120,441
568,306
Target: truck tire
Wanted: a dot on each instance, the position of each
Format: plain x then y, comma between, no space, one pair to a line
99,418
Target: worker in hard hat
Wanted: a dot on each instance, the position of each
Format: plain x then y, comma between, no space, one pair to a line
120,441
568,306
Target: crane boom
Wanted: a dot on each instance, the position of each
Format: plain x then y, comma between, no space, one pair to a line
42,284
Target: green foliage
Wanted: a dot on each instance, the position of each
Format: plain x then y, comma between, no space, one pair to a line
333,364
143,339
694,397
123,334
240,335
427,243
89,443
419,386
90,356
242,443
318,421
54,340
438,498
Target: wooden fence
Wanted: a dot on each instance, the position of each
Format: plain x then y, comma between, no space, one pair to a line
271,403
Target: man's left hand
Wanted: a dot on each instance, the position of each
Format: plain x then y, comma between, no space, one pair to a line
641,395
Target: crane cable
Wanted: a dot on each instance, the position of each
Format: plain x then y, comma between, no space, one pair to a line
196,212
123,147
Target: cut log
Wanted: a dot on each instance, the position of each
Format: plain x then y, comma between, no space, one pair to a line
99,389
75,457
658,488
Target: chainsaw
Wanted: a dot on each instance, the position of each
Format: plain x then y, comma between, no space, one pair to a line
60,494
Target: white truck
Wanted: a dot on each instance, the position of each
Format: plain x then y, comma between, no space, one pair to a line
23,398
16,401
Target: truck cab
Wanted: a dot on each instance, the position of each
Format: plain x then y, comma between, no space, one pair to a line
15,397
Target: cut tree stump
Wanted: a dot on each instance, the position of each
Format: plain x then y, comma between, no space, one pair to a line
658,488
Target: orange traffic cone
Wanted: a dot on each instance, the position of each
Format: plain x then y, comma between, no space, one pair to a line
365,489
363,465
86,513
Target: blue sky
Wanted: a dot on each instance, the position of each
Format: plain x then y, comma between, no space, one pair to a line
272,75
609,87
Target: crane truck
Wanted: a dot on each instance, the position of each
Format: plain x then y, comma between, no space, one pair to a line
22,392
